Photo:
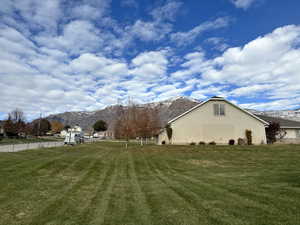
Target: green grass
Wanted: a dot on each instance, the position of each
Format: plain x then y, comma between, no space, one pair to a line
103,183
8,141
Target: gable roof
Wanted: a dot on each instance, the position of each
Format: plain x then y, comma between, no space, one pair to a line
216,98
284,123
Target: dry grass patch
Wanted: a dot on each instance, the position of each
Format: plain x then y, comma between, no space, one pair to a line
206,163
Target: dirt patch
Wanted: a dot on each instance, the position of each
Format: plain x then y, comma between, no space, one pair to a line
20,215
204,163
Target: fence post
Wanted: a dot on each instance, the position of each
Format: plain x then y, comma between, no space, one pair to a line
13,146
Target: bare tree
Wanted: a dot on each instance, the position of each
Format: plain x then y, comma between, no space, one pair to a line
137,122
16,116
148,123
15,123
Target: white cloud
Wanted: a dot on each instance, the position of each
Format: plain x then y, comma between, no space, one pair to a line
149,31
268,58
208,91
51,82
179,91
87,9
268,64
157,28
195,64
218,43
165,88
79,36
150,65
243,3
86,12
252,90
39,14
280,104
167,11
185,38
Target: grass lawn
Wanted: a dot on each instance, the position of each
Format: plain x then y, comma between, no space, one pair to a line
8,141
102,183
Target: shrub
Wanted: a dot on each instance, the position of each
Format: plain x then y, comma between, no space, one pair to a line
212,143
202,143
231,142
163,142
241,141
272,131
249,137
192,143
169,132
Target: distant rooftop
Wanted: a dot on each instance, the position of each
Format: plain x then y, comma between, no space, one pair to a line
283,122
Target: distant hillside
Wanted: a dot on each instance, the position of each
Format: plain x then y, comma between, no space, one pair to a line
286,114
167,110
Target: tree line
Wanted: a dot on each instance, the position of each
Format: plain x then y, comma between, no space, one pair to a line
132,121
16,126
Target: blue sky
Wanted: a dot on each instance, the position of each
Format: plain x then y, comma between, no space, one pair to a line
59,55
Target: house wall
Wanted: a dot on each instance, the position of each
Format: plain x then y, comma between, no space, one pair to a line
292,133
202,125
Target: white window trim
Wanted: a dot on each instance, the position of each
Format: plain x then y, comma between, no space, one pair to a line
218,113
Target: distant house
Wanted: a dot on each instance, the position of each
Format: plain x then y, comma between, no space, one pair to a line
216,120
291,128
75,129
104,134
63,133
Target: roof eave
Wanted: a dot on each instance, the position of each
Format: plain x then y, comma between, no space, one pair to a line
219,99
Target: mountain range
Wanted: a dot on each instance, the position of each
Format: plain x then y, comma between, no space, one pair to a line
167,110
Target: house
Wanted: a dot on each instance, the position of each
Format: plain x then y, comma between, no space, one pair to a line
63,133
104,134
75,129
291,128
216,120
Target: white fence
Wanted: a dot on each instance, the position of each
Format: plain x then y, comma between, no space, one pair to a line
27,146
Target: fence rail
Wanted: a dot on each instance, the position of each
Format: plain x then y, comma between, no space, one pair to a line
27,146
50,144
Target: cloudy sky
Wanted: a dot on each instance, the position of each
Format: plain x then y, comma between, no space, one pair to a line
62,55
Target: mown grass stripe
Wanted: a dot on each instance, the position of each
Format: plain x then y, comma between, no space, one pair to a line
174,204
142,211
58,203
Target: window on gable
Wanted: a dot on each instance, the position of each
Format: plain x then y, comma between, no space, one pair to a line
219,109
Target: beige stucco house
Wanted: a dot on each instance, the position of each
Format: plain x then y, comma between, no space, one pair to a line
216,120
290,127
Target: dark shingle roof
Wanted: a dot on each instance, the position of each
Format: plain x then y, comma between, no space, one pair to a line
281,121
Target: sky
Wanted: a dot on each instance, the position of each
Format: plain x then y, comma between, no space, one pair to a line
59,55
